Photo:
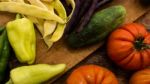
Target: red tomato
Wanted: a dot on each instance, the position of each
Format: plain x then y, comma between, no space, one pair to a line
129,46
92,74
141,77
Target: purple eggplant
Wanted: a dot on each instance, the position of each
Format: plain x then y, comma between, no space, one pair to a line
82,14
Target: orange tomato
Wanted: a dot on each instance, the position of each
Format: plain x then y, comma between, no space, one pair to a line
141,77
92,74
129,46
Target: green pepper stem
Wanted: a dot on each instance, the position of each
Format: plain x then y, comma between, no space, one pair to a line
18,16
9,82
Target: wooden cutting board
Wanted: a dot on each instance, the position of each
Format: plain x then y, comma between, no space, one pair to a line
61,53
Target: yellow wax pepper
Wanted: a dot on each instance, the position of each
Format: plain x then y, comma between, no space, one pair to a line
35,74
21,35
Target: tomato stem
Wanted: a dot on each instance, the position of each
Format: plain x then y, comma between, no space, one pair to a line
146,46
140,45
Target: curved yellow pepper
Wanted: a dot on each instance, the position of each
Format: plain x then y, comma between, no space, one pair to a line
35,74
21,35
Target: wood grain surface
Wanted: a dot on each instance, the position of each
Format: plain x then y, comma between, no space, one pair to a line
61,53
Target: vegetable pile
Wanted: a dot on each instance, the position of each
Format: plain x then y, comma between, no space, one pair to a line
49,16
84,24
127,46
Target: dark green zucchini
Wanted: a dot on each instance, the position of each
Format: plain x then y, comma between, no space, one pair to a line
100,25
4,53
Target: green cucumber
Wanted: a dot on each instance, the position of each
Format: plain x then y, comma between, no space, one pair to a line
100,25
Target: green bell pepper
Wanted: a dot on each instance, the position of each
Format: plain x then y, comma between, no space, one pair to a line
21,35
